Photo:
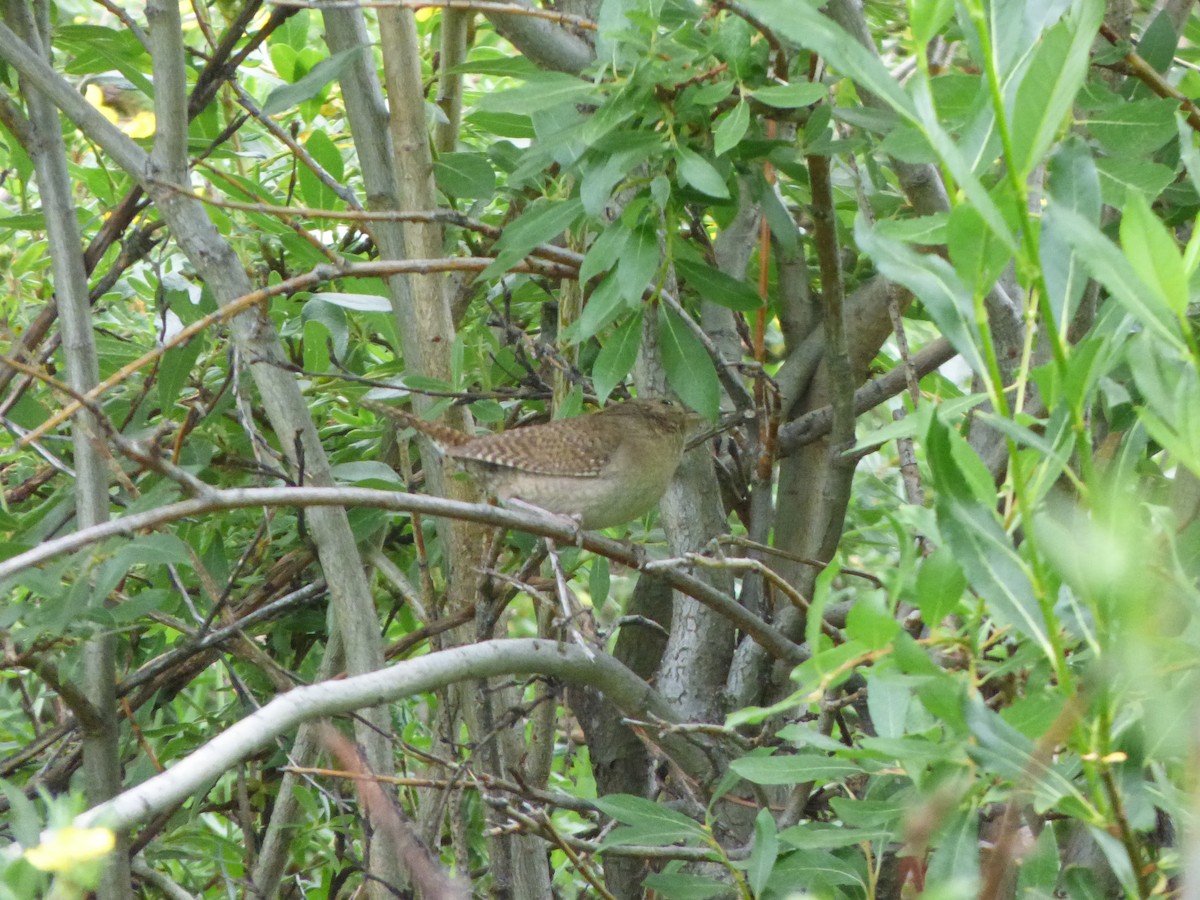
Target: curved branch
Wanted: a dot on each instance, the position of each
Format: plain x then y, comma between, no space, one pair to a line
522,656
546,44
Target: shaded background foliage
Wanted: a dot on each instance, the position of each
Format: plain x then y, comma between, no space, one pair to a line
931,264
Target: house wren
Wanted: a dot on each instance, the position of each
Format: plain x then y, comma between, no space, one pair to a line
604,468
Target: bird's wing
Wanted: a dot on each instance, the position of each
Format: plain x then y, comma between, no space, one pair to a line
565,447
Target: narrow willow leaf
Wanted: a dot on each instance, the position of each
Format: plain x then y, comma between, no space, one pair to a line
327,70
791,96
545,91
717,287
1109,266
690,371
616,356
1048,88
540,223
1153,253
1075,184
764,852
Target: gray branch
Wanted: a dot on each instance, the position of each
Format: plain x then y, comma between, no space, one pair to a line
437,670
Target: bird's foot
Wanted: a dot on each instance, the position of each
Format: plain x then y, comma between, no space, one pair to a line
573,523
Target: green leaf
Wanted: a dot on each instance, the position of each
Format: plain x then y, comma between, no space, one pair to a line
909,144
331,317
98,48
1153,253
1121,174
326,154
175,368
603,306
731,128
1002,750
871,625
605,250
889,696
934,282
327,70
1134,130
542,222
807,27
26,824
317,338
643,813
823,836
1118,858
717,287
791,96
940,585
956,859
617,356
1158,42
682,886
1187,153
690,371
1050,83
283,58
466,175
503,125
25,222
794,769
150,550
1039,870
698,172
1110,267
969,526
599,580
821,872
1074,183
764,852
639,263
978,256
543,92
712,94
927,18
293,31
366,471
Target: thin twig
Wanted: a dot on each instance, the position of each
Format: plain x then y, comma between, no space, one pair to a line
1148,75
506,9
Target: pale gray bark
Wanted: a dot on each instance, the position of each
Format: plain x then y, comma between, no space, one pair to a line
456,26
254,334
282,715
101,738
547,44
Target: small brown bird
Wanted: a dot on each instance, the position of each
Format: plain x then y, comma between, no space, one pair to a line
603,468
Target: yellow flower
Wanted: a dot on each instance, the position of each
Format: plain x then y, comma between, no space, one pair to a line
64,849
